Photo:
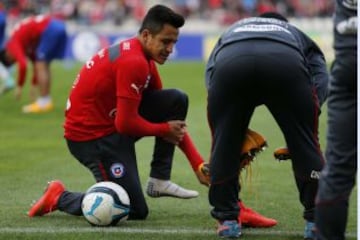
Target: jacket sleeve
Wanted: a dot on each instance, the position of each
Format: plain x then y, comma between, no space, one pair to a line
129,122
131,81
318,69
17,53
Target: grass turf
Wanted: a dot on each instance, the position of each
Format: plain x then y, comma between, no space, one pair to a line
33,151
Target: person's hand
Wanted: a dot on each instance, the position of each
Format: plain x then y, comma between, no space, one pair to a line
177,131
203,174
18,92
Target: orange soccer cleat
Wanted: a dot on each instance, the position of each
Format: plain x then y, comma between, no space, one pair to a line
282,154
250,218
258,138
254,143
48,201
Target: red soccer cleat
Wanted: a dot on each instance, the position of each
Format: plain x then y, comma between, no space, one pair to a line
250,218
48,201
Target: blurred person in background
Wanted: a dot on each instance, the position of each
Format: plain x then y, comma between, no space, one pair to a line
62,9
6,80
41,39
339,174
2,25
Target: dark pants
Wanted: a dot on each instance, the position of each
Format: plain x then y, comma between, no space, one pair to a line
339,174
248,74
113,157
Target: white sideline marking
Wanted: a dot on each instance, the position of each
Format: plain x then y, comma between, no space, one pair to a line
149,231
126,230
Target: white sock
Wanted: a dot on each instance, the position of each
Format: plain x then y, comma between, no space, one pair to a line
159,182
43,101
4,73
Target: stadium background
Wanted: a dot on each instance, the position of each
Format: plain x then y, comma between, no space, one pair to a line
94,24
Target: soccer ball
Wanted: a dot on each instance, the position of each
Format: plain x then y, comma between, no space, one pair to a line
105,204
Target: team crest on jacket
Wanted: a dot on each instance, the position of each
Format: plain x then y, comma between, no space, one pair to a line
117,170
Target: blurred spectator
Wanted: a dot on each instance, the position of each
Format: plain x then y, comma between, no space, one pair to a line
92,12
63,9
187,7
137,8
265,6
249,6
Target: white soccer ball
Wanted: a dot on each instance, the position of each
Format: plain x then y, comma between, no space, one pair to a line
105,204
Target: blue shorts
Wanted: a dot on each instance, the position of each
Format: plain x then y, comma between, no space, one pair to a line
52,43
2,27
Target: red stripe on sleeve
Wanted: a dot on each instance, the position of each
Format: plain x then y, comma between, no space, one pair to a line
188,148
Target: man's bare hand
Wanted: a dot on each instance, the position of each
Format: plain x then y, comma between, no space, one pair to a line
203,174
177,131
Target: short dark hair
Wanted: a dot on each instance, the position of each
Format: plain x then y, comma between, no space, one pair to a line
273,15
159,15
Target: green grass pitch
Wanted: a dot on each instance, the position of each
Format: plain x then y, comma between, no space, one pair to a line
33,151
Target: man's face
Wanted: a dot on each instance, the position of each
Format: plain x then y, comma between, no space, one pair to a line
160,46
